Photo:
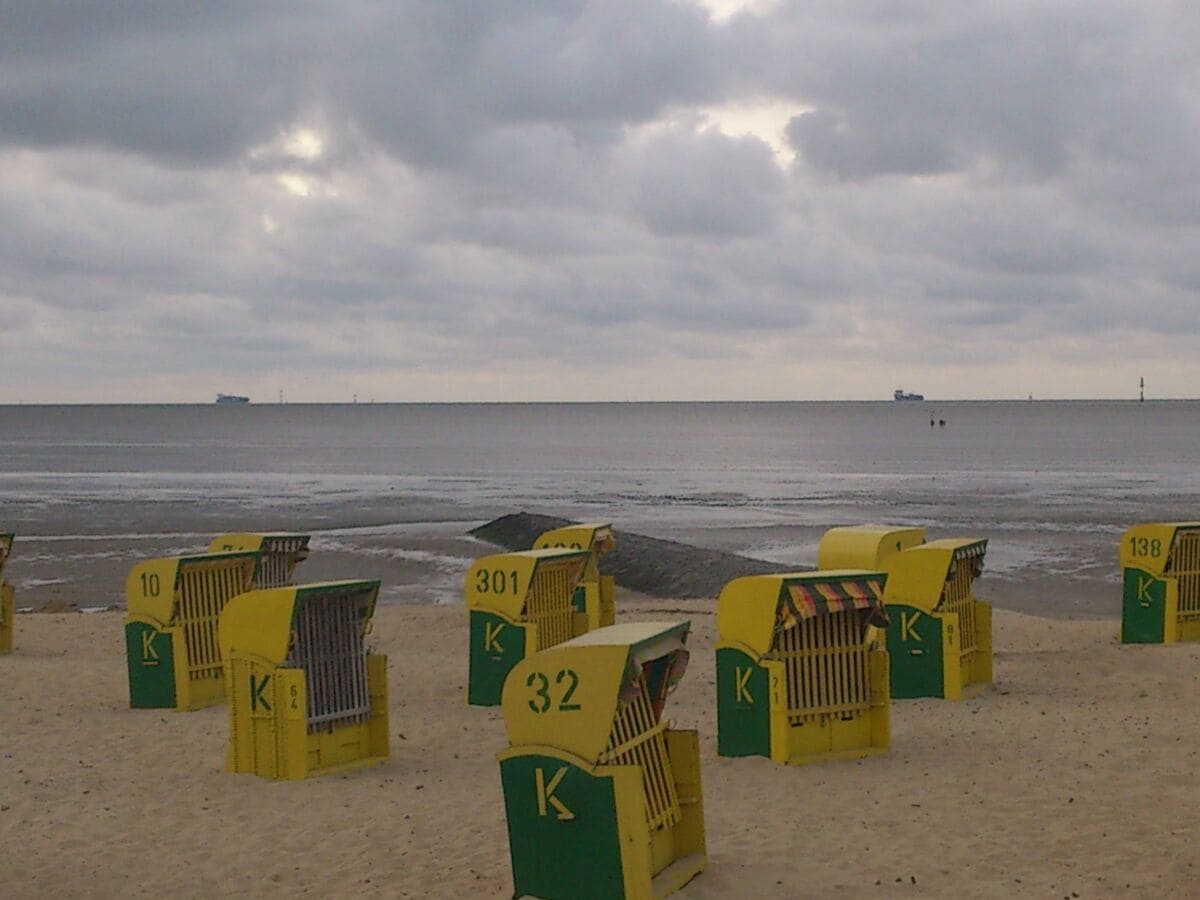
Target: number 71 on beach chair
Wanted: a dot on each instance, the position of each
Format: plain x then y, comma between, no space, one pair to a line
279,553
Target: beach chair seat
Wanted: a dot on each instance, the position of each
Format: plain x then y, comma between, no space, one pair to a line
939,636
1160,573
602,797
518,603
306,696
594,597
172,608
801,675
8,609
279,553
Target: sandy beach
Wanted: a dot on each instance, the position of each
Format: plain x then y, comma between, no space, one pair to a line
1073,776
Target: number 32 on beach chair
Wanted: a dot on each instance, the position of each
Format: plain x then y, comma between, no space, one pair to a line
602,798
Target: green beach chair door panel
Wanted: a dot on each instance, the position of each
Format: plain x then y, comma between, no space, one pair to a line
743,705
1144,611
496,646
151,667
914,641
562,828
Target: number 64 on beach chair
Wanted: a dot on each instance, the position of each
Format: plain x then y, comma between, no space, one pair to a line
602,799
172,606
518,603
799,674
7,600
305,696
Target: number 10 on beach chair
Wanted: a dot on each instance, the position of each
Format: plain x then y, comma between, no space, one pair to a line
939,637
518,603
306,697
1160,568
172,606
800,677
279,553
7,599
594,597
602,798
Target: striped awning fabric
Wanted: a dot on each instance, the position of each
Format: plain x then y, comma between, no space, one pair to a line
810,599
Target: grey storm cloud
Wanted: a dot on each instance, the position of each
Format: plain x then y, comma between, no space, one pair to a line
497,184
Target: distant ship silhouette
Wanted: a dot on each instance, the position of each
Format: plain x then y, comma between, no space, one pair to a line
232,398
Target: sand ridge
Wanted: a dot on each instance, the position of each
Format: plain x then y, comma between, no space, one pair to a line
1075,774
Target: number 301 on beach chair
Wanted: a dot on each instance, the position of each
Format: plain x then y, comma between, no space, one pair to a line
799,675
594,596
518,603
172,607
7,601
602,799
1160,567
305,696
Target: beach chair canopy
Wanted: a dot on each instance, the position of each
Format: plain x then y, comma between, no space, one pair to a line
864,546
567,697
506,582
920,576
753,610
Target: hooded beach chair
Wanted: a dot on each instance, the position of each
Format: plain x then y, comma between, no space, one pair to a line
594,596
800,675
7,598
939,637
1160,570
278,554
517,604
306,696
172,606
602,798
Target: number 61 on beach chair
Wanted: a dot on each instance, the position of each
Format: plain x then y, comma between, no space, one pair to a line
602,799
305,696
7,601
799,674
939,637
518,603
1160,568
172,606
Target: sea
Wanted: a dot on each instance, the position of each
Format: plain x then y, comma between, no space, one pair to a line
1051,484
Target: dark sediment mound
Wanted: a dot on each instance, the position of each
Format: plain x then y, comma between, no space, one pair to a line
644,564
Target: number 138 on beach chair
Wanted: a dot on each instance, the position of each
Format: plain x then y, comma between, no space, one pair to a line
1160,568
602,798
518,603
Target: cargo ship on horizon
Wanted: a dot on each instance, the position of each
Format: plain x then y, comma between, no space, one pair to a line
901,395
232,398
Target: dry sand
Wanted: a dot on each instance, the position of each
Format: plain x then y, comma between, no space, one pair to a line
1074,776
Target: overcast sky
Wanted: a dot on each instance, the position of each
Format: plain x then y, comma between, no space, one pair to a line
630,199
